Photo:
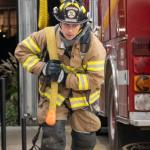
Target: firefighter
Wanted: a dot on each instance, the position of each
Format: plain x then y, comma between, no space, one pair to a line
79,73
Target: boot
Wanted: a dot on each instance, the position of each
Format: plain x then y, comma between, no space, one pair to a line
83,141
54,137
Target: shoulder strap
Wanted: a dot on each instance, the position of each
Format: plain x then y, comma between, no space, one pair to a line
52,50
85,43
51,42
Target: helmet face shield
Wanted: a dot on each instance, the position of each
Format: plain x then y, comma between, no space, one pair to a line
71,12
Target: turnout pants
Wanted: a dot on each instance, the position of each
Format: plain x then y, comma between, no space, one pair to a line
84,124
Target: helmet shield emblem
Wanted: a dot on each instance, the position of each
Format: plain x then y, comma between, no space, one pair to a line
71,12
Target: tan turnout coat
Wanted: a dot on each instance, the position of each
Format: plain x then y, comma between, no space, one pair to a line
29,51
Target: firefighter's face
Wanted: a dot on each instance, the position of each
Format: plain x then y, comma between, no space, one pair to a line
70,31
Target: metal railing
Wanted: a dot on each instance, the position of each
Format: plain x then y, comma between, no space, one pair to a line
3,112
3,118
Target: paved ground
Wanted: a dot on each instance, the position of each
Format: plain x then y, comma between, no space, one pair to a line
14,139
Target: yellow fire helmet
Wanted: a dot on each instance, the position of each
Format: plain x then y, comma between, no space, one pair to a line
71,11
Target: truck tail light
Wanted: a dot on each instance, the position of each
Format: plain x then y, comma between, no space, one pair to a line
141,61
141,46
142,83
142,65
142,102
142,92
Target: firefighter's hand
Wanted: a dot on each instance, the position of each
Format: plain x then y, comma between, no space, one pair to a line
52,69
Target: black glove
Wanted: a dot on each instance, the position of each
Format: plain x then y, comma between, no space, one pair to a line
52,69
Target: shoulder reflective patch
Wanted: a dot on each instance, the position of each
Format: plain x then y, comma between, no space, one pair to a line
31,45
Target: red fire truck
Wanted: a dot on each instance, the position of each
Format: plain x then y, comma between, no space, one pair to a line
125,101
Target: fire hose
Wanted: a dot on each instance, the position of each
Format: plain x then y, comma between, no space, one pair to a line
43,14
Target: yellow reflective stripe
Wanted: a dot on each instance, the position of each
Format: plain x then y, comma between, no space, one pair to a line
92,100
60,98
30,62
70,3
77,5
83,9
77,99
93,95
61,7
83,82
31,41
68,68
45,94
95,65
79,102
67,4
31,45
72,69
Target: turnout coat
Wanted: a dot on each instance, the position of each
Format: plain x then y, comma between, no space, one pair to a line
85,70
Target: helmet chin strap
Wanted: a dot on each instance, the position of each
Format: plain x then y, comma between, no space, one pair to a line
68,43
